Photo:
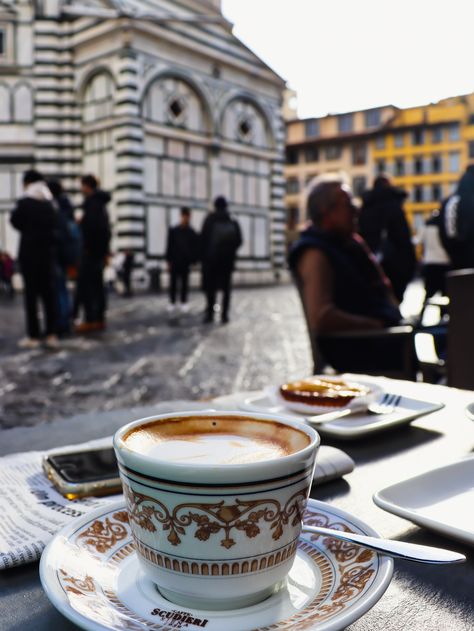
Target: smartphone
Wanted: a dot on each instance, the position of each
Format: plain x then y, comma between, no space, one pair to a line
83,473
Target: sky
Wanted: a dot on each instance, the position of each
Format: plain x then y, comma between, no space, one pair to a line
343,55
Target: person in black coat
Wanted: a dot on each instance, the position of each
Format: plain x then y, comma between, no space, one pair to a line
95,233
68,252
221,237
181,253
36,219
457,222
383,226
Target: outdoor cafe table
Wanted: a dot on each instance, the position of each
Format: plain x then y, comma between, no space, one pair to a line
420,597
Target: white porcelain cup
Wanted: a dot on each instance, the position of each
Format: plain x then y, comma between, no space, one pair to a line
218,536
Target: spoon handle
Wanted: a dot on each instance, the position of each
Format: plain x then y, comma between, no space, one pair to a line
390,547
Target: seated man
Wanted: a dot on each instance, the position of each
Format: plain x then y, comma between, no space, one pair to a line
341,285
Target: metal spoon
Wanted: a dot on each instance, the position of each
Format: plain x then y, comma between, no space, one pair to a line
397,549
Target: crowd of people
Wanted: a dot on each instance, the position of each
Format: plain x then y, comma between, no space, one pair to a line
351,265
59,245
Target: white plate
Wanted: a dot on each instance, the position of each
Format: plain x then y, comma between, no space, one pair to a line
441,499
89,571
351,427
304,408
470,411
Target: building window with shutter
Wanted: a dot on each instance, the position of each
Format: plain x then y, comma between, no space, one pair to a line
333,152
291,156
398,139
436,192
311,128
372,118
311,154
359,153
418,194
417,137
345,123
418,166
454,132
399,167
292,186
437,135
454,162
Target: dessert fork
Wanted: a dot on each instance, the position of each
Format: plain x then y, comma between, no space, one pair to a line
386,405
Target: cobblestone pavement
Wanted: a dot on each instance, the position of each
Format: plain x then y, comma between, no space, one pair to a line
145,357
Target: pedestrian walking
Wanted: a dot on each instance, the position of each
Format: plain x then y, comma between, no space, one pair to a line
181,253
125,274
95,234
36,219
221,237
383,226
68,253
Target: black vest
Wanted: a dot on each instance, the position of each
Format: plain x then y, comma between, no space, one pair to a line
359,287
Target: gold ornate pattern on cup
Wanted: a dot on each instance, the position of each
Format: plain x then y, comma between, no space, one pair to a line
103,535
216,568
210,519
357,568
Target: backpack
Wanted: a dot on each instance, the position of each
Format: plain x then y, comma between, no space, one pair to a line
69,241
224,240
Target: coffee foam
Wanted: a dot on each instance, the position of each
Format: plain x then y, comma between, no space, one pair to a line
215,440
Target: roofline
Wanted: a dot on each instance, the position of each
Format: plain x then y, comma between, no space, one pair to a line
368,109
395,107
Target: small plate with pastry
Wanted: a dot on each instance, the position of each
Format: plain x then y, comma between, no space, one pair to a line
319,394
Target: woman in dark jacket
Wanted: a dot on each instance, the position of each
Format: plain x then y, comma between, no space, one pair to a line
383,225
95,233
36,220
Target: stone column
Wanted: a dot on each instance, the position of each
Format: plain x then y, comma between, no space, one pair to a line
129,164
57,121
277,210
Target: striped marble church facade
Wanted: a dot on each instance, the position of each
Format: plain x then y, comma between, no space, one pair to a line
166,113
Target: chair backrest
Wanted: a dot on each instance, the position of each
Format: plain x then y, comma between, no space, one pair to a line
460,345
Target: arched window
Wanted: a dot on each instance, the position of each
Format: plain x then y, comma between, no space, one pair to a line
243,122
171,101
23,104
4,103
98,98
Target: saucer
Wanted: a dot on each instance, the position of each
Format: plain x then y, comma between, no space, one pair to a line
90,573
351,427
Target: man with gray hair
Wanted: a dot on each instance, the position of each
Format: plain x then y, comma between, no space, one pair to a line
341,285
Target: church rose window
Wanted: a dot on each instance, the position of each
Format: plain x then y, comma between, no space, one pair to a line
176,110
245,129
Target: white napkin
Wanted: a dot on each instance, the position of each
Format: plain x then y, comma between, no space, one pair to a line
331,463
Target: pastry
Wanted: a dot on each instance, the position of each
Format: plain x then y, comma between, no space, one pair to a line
323,391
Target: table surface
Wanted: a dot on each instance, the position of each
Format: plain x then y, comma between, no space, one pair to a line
420,597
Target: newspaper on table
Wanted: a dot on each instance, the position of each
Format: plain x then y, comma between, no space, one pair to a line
32,511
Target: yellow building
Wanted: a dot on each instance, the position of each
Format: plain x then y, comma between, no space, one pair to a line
424,149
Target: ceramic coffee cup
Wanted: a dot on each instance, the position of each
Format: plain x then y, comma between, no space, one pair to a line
223,535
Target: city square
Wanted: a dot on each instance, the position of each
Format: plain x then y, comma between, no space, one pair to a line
236,303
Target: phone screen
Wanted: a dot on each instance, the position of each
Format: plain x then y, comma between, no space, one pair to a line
86,466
